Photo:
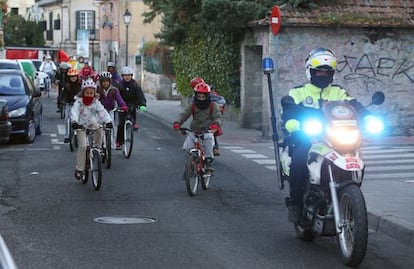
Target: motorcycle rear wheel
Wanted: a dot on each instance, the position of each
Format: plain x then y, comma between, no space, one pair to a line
353,239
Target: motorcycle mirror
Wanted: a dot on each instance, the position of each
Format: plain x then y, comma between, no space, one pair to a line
378,98
287,101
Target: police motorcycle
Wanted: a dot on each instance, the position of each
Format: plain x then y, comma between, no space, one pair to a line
333,204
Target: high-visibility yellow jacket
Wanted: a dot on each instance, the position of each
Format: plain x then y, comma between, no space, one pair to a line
307,96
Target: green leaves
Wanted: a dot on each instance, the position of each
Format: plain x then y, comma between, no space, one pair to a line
19,32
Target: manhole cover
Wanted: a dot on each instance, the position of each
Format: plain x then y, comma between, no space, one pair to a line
125,220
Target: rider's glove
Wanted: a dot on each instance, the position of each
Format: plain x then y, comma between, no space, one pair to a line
176,126
124,108
216,129
143,108
76,126
109,125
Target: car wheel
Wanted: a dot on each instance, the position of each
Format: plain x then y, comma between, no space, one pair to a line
39,124
30,132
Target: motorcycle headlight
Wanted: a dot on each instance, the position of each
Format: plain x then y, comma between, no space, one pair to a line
17,112
373,125
312,127
344,136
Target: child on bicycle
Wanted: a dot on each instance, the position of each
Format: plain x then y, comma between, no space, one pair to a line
71,89
134,98
206,115
87,112
109,94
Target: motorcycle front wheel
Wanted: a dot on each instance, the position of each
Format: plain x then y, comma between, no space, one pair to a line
353,238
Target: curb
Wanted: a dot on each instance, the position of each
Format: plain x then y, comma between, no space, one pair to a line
392,229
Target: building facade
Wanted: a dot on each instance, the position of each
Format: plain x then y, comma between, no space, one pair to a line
375,52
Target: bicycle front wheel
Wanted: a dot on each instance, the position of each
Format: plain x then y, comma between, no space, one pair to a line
96,169
191,176
128,139
72,138
62,111
108,149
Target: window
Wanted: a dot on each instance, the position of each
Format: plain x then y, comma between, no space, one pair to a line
85,19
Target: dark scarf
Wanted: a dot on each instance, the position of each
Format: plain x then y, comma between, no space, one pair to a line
202,104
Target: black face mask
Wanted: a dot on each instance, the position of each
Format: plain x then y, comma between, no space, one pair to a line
202,104
322,81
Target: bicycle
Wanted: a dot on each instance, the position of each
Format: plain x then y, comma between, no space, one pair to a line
195,166
73,141
128,133
107,147
93,161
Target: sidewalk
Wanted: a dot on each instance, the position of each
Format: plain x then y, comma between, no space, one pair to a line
390,203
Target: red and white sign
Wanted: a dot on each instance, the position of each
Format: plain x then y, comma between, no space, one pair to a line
275,20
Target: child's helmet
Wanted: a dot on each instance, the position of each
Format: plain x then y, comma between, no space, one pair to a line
196,81
73,72
126,70
202,88
88,84
111,64
105,75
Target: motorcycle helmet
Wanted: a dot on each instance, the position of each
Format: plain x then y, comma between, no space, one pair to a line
196,81
324,60
88,84
126,70
73,72
202,88
105,75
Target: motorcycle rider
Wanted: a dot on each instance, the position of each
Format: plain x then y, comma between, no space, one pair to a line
320,69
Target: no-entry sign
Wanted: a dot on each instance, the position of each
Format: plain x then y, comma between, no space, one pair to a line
275,20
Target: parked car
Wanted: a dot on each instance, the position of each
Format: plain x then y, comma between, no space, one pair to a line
5,124
28,67
25,107
10,64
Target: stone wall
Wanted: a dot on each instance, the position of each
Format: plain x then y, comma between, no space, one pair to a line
368,60
158,85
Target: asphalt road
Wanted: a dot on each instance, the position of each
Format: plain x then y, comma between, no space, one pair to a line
47,218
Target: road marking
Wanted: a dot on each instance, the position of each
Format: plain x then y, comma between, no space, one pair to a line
243,151
254,156
265,161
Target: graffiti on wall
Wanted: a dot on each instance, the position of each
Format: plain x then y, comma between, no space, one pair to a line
366,68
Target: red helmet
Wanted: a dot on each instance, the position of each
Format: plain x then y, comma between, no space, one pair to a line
196,81
202,88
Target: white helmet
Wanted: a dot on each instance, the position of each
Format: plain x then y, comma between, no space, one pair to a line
88,84
320,59
126,70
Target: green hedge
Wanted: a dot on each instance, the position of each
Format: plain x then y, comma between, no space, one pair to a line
213,57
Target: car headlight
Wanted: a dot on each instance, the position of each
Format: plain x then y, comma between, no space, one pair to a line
312,127
373,125
17,112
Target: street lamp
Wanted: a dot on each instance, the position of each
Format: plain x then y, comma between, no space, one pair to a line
92,37
127,20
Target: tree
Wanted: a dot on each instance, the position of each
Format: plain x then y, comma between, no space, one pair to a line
19,32
206,36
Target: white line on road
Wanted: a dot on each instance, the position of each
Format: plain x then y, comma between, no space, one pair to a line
254,156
